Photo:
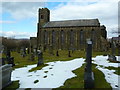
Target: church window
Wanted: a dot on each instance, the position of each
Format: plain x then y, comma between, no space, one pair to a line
81,36
71,37
53,37
62,37
41,16
93,35
46,37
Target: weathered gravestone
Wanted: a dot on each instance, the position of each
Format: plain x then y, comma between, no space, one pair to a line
9,59
28,50
40,58
51,50
88,74
2,61
35,51
57,54
5,75
32,58
23,52
8,54
69,54
113,50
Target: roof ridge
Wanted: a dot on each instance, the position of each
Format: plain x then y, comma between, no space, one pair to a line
73,20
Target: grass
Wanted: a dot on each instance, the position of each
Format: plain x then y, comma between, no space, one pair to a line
78,81
63,56
38,68
14,85
117,70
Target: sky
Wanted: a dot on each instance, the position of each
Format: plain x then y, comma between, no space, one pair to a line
19,19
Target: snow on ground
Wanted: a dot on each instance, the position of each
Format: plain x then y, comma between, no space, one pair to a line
52,76
110,76
56,73
102,60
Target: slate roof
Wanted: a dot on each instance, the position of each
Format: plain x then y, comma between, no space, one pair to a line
73,23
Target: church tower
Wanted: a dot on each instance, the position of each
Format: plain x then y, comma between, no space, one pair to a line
44,16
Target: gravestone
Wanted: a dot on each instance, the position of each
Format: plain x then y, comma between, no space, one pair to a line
9,59
8,54
112,57
32,58
69,54
40,58
88,74
35,51
51,50
24,52
28,51
2,61
57,54
5,75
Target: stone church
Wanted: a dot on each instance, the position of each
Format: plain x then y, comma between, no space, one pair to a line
68,34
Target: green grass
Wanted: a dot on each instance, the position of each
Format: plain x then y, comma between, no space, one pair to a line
117,70
22,61
78,81
63,56
38,68
14,85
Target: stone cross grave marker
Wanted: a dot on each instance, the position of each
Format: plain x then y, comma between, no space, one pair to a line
88,74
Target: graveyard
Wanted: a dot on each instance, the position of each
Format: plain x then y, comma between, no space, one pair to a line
74,81
63,45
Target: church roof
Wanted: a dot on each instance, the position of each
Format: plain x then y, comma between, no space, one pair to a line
73,23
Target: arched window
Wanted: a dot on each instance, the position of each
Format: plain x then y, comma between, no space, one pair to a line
45,37
42,16
71,37
81,37
53,37
93,35
62,37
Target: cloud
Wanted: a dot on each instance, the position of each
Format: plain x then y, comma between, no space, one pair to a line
15,34
22,10
106,11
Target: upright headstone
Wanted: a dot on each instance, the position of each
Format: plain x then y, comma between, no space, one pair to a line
40,58
2,61
112,57
69,54
28,51
9,59
88,74
32,58
51,49
8,54
57,54
24,52
5,75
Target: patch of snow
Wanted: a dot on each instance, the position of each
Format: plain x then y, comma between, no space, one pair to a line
58,73
102,60
110,77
